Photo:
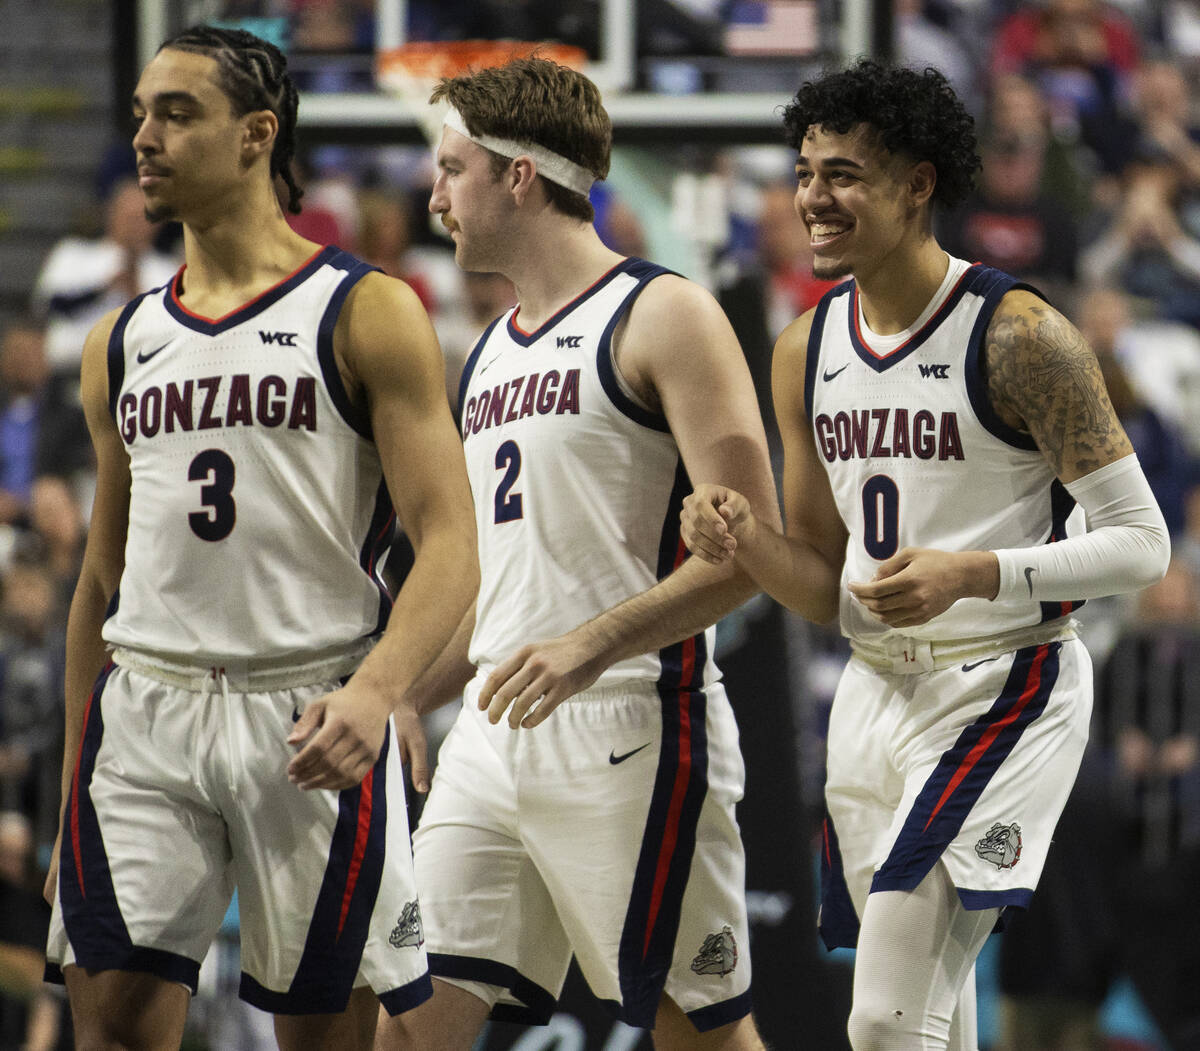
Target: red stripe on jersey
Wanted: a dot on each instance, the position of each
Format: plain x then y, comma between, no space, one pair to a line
1032,684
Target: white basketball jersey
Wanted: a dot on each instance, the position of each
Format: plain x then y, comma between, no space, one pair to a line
577,487
917,457
258,517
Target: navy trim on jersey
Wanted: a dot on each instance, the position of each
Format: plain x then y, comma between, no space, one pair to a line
341,917
537,1005
645,273
993,285
375,546
355,415
967,768
813,354
882,364
714,1016
1062,503
669,841
406,997
116,353
632,265
90,911
837,920
469,369
214,327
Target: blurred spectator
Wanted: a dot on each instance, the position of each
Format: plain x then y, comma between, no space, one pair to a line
385,237
82,279
32,645
1163,112
921,40
1170,469
1118,893
1161,359
485,296
29,1011
328,211
1010,223
1145,249
1082,54
23,375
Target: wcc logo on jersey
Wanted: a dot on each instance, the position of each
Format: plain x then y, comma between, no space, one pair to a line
1001,846
937,372
408,931
718,955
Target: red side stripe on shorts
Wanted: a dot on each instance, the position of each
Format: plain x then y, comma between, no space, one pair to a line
75,847
360,847
1032,684
678,791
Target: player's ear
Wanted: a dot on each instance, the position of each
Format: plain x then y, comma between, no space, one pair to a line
922,178
259,130
521,174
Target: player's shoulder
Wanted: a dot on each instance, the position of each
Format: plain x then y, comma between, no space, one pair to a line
792,344
1024,326
376,291
674,299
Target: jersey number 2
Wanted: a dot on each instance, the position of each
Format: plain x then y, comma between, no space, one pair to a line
881,517
215,469
508,503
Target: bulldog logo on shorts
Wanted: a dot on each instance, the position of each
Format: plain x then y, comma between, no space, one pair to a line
408,931
1001,846
718,955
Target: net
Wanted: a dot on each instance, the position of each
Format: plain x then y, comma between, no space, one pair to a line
411,72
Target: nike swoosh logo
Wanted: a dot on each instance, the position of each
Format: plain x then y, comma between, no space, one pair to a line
975,664
1029,571
614,758
827,375
143,358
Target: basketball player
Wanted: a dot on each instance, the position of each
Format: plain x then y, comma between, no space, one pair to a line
254,420
940,422
584,800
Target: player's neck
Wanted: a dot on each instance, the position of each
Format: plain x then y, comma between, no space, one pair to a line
555,268
241,252
896,292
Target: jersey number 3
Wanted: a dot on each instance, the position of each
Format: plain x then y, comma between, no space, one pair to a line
215,469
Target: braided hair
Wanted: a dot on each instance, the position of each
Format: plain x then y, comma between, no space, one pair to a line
253,73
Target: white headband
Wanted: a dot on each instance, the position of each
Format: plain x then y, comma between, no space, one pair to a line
550,165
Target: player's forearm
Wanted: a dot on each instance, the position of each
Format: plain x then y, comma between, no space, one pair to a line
428,612
792,571
86,655
450,671
684,604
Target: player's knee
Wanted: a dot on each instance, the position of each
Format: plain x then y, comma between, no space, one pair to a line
874,1028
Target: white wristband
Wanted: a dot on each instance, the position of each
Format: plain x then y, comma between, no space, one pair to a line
1126,547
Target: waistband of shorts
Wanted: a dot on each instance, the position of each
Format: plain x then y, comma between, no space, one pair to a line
903,655
246,676
600,692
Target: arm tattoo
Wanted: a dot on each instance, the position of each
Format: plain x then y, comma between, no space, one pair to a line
1043,379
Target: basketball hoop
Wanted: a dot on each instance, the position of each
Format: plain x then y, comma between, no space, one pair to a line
411,72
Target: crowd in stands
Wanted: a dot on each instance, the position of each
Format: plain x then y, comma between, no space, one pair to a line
1089,121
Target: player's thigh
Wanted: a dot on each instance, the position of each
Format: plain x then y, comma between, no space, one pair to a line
351,1030
674,1031
126,1009
450,1020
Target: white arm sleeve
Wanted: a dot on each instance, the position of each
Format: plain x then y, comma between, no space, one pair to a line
1126,547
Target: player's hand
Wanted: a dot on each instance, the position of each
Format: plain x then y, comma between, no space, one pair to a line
536,679
916,584
411,741
50,887
341,734
713,521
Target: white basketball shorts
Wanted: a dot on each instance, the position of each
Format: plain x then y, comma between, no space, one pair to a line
608,831
969,765
182,793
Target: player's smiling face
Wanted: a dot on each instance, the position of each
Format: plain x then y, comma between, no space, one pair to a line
470,200
855,198
189,143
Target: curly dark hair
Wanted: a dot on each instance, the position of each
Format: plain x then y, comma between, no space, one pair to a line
254,74
915,114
